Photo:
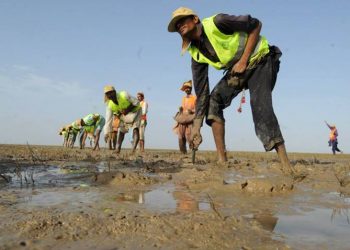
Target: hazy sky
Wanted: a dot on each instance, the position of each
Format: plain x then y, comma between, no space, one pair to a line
56,56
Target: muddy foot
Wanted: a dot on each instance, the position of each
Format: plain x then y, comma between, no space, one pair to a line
224,164
298,177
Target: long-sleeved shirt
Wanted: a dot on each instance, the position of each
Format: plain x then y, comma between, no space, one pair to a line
227,24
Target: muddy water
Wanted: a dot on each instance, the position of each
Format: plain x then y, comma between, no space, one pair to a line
318,228
158,200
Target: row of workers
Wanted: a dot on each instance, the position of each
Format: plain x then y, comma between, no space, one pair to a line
123,113
89,126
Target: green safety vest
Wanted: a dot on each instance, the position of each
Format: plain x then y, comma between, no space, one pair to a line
75,126
89,129
123,103
89,120
229,48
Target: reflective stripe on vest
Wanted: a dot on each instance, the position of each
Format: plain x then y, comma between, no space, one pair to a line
229,48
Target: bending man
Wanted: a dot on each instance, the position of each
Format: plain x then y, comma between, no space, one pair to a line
128,109
234,44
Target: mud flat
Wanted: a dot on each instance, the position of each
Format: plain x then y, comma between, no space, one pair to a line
56,198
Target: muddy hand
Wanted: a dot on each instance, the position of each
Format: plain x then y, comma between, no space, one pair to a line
239,67
197,141
196,138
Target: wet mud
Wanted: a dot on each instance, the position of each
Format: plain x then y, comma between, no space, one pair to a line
56,198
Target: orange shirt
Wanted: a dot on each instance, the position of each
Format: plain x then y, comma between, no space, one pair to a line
189,102
333,134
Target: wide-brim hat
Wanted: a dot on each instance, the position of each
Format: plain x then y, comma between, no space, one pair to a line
108,88
177,15
186,85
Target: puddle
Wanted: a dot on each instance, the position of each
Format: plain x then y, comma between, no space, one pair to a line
165,199
161,199
53,176
267,220
58,197
345,198
134,197
324,228
231,178
51,183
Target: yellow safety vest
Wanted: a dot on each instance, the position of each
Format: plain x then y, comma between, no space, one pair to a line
123,103
229,48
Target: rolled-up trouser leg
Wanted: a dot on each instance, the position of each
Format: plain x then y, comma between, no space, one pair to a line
220,98
260,87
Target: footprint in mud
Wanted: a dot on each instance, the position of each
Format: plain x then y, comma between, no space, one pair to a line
162,166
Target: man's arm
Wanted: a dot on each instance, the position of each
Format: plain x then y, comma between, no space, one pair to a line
228,24
144,108
97,139
82,142
133,103
195,103
201,88
108,128
252,40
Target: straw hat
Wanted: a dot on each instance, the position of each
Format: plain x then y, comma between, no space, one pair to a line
78,122
108,88
177,15
185,85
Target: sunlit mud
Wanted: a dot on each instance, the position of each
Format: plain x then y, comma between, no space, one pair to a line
55,198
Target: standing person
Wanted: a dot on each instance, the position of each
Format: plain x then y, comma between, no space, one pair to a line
143,123
128,109
333,138
185,117
231,43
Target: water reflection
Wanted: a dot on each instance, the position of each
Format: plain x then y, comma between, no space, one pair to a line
267,220
165,199
185,202
53,176
33,198
136,197
329,228
342,213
